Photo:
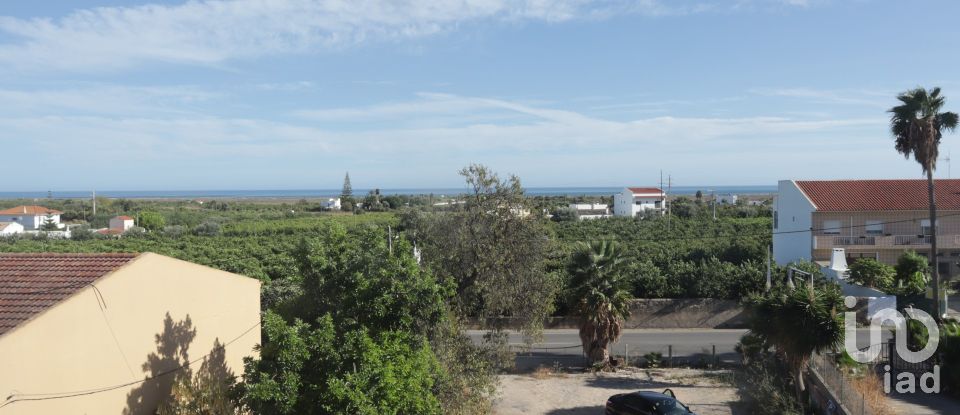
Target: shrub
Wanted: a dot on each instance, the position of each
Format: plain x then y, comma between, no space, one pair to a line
766,384
869,272
950,349
565,214
912,269
207,228
152,221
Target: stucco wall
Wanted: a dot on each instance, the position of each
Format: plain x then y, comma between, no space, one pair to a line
71,346
791,234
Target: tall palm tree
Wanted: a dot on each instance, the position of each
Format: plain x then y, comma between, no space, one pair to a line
797,321
917,126
599,295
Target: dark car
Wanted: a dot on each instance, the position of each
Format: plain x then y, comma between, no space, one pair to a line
646,403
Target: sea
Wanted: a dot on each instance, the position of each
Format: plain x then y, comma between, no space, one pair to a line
321,193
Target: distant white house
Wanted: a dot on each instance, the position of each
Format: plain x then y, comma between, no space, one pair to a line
31,217
121,223
10,228
591,210
727,199
635,200
332,204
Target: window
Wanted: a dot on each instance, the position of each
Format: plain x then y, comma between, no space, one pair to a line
776,220
831,227
925,226
874,227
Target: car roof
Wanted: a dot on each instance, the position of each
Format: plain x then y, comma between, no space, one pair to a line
654,396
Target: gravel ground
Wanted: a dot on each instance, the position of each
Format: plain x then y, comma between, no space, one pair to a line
584,393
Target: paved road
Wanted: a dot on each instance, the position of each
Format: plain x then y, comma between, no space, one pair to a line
684,341
564,344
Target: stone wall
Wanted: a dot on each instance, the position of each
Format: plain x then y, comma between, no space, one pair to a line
672,313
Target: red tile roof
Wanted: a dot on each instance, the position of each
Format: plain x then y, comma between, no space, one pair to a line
32,283
879,195
30,210
123,218
645,190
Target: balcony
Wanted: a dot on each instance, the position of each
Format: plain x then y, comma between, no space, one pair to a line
885,241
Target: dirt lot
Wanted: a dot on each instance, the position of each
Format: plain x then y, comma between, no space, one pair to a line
576,394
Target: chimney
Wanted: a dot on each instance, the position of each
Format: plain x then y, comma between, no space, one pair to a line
838,261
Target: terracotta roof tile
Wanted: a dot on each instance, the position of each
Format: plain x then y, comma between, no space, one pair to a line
30,210
123,218
32,283
645,190
879,195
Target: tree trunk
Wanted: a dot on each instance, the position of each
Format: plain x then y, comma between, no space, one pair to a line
599,354
935,272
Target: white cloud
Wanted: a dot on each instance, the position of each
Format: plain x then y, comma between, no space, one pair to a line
210,32
842,96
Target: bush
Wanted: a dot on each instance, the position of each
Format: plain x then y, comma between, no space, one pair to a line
950,349
81,233
869,272
207,228
767,385
152,221
565,214
912,274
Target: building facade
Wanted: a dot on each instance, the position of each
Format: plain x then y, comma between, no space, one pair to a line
31,217
633,201
10,228
118,324
121,223
878,219
591,210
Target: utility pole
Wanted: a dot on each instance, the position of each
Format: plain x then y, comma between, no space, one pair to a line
94,203
390,239
714,204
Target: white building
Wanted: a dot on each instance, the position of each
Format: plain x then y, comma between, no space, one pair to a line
31,217
121,223
635,200
332,204
10,228
591,210
727,199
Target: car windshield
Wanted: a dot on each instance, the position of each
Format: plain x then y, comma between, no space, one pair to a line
669,407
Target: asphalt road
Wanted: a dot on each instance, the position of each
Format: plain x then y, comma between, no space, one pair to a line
564,344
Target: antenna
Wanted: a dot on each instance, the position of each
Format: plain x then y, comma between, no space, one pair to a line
947,159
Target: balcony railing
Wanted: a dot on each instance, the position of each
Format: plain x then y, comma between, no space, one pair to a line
885,241
913,239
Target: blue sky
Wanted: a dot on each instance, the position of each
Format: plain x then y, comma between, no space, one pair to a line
291,94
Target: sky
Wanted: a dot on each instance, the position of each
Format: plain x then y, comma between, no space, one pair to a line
275,94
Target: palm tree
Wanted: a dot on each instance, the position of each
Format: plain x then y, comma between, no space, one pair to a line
917,125
797,321
599,295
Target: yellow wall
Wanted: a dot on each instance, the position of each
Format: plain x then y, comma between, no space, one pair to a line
70,346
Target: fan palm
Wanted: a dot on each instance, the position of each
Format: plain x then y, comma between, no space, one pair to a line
599,295
797,322
917,126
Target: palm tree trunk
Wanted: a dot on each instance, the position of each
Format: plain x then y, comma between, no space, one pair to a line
935,272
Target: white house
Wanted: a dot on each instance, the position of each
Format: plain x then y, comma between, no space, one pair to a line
31,217
591,210
121,223
727,199
332,204
635,200
10,228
